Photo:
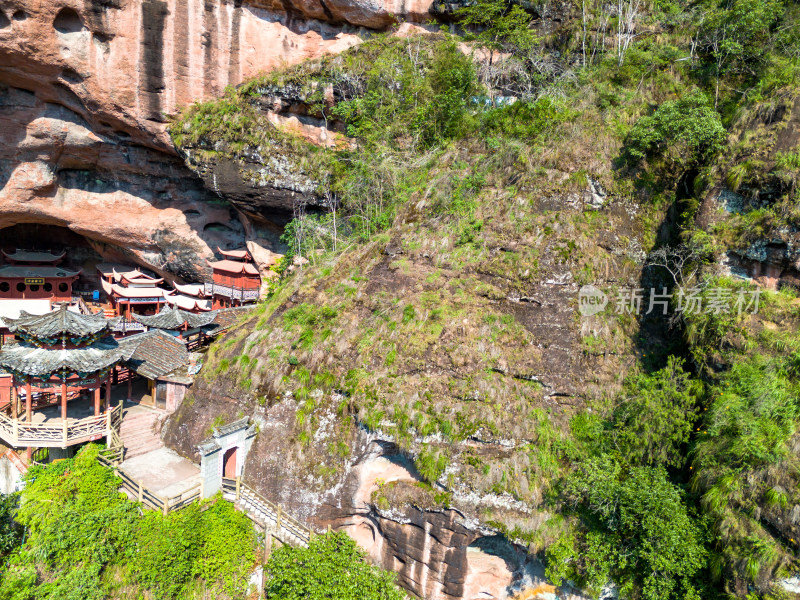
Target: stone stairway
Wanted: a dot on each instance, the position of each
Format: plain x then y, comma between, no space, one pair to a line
140,432
266,515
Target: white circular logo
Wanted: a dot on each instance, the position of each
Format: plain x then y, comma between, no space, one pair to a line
591,300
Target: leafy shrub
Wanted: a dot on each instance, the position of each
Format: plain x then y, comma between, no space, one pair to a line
331,567
751,418
215,544
635,530
79,526
684,133
430,463
527,121
655,418
10,534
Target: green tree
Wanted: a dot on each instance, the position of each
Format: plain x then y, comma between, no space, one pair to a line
79,528
734,34
452,81
500,25
634,530
685,133
655,418
331,567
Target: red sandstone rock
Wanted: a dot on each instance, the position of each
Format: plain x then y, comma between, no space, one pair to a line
85,91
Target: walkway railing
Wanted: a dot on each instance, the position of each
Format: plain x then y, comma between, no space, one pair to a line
18,433
78,300
234,293
267,514
126,326
150,499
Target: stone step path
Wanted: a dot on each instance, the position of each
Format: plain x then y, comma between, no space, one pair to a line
267,515
140,432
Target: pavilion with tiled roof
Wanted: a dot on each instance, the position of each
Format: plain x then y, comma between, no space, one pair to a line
131,291
63,355
155,353
61,349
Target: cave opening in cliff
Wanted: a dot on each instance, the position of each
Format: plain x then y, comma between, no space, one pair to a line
81,253
68,21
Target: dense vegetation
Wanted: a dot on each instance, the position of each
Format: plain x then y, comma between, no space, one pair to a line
680,481
331,567
84,539
71,534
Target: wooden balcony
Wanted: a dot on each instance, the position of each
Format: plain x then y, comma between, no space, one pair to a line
127,326
234,293
59,433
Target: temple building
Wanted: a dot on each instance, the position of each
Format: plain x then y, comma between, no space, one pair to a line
235,280
60,358
131,292
194,328
191,298
164,361
30,275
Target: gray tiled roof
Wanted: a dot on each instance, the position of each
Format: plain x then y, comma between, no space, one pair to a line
32,360
60,322
33,255
36,271
154,353
174,318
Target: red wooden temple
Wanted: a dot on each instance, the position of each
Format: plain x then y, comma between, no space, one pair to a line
130,291
28,275
235,280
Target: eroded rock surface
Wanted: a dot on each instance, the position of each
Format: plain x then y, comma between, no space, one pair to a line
87,86
438,554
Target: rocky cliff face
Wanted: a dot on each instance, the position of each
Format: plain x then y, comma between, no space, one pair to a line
86,87
378,498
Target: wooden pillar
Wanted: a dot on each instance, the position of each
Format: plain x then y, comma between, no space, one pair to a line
108,392
28,400
130,385
14,399
97,400
64,401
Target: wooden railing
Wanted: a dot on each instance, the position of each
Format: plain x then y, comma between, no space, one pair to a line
40,400
78,300
234,293
267,514
150,499
126,326
17,433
